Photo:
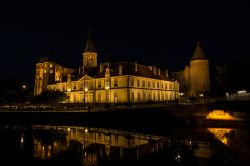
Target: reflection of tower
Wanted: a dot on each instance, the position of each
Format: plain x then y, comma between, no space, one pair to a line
89,55
199,73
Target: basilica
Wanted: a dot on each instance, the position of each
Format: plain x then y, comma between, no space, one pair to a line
109,82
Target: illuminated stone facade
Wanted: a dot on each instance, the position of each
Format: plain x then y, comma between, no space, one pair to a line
194,79
120,82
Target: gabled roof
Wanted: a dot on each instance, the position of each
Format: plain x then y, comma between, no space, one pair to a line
198,53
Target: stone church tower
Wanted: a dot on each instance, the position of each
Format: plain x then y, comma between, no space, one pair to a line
199,73
89,54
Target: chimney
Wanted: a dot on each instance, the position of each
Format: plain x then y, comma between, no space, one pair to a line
154,70
150,68
159,72
166,73
120,70
101,67
135,66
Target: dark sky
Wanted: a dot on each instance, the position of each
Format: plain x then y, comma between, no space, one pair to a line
161,34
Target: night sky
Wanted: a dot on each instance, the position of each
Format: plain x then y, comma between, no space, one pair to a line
150,33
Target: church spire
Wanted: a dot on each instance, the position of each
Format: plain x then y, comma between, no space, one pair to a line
90,44
198,53
89,54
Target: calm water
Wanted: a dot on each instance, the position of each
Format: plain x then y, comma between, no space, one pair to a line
71,145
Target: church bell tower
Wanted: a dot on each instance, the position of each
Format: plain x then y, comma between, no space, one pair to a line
89,54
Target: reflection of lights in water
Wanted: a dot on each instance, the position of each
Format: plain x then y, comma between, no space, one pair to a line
221,133
178,158
220,114
22,139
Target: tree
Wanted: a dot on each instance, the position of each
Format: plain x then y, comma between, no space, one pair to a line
51,97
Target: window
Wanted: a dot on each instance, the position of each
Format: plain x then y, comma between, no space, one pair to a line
143,83
170,86
107,84
51,71
138,82
162,85
132,96
153,84
91,84
51,65
99,97
166,86
115,82
45,71
74,86
107,96
99,84
132,82
158,85
149,84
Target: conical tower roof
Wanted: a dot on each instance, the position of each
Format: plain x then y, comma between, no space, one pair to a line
198,53
90,44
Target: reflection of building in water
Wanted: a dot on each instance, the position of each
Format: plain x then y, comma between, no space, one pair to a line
221,134
45,148
101,143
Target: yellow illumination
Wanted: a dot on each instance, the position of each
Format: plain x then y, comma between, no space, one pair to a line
221,134
220,114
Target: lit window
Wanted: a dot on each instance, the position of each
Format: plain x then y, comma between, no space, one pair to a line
51,71
51,65
45,71
143,83
149,84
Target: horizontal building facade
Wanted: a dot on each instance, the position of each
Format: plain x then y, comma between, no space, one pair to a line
120,82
